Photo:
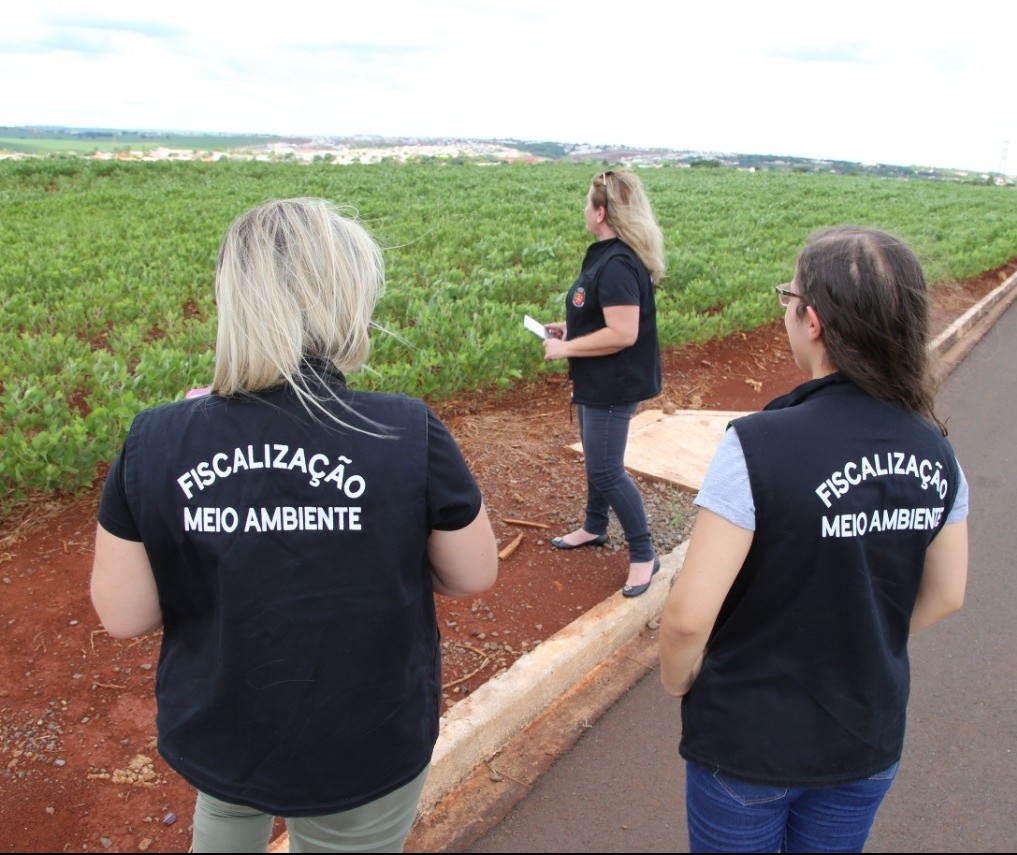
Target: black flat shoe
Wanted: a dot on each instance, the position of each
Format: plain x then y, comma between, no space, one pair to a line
559,543
636,590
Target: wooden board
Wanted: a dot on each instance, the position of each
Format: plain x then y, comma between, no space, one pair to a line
677,448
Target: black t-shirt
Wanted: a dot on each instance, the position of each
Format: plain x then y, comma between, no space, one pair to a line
300,666
613,275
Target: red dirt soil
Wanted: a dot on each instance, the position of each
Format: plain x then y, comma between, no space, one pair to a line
78,759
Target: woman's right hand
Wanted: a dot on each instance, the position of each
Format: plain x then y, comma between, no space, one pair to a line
555,330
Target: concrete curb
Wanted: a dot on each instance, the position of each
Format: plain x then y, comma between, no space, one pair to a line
954,343
479,726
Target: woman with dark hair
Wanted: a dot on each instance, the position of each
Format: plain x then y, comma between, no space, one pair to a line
288,535
831,525
610,340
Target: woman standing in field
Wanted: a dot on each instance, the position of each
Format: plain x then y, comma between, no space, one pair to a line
830,526
288,534
610,340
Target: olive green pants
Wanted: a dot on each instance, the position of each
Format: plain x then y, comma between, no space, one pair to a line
378,826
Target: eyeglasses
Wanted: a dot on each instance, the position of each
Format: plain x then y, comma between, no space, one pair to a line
785,294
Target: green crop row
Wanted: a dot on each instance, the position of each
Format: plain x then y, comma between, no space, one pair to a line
106,274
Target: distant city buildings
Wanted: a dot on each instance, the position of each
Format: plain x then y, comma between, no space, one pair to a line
375,149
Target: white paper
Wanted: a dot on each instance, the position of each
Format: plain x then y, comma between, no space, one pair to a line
534,326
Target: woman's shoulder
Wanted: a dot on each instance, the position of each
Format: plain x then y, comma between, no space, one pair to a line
624,257
394,405
397,400
170,409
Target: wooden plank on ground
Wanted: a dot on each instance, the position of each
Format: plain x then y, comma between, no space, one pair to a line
677,448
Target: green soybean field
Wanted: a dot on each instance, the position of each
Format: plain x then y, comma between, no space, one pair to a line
107,269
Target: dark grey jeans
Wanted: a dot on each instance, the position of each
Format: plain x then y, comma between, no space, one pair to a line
605,433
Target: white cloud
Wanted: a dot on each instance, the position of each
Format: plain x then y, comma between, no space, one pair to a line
866,81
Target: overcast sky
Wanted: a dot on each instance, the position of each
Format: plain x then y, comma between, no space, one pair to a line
911,83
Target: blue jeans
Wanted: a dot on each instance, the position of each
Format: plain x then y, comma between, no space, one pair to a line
604,432
727,815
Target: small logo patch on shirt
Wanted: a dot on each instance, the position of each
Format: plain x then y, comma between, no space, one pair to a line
579,298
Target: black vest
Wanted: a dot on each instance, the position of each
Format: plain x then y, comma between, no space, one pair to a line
300,663
632,374
806,677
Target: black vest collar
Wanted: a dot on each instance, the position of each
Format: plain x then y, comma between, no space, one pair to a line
314,367
806,390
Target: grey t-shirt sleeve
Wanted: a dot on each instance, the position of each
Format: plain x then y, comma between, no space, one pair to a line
959,512
726,490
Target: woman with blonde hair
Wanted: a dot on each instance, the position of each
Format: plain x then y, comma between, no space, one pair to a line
288,535
609,337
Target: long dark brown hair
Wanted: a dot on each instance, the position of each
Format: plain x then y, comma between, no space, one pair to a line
870,293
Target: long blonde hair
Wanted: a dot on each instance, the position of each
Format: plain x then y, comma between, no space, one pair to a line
295,280
629,214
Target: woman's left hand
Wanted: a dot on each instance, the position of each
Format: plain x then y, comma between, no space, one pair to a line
555,348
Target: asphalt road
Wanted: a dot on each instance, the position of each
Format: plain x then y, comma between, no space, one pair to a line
621,788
